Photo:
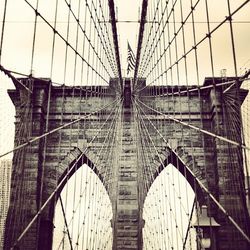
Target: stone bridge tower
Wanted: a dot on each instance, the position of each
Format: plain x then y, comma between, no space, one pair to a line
43,167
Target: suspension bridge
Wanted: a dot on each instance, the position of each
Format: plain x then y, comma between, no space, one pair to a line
153,158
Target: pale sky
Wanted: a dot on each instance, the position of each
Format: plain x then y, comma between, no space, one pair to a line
17,55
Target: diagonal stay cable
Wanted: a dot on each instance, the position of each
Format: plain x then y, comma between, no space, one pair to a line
101,35
152,50
106,31
10,73
197,44
199,88
148,43
14,79
65,222
150,141
189,225
57,129
65,40
200,183
147,134
171,13
3,28
63,180
170,180
100,152
197,128
84,33
97,162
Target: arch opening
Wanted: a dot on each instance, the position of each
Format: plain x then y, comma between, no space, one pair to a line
168,212
83,213
176,161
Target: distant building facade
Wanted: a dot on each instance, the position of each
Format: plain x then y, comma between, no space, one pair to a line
5,177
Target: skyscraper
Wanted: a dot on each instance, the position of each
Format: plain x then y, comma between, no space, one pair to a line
5,177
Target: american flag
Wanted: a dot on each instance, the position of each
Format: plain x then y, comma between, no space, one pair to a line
131,60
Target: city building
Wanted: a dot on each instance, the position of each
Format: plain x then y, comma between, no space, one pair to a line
5,177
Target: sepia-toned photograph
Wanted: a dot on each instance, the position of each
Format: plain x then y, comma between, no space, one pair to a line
124,124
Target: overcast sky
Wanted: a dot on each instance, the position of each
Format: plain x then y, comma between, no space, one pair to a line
18,41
